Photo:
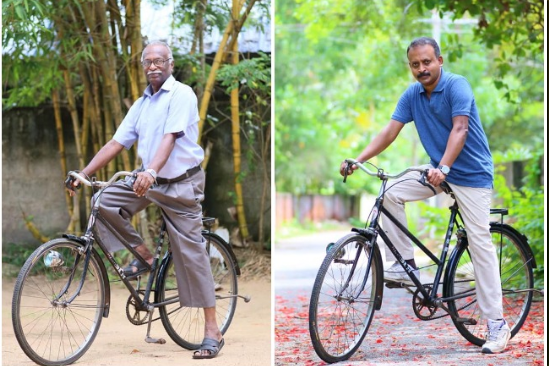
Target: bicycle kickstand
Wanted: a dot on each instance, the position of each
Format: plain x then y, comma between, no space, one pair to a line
148,338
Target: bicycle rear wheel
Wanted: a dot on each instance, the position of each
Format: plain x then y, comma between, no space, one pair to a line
515,265
50,328
343,301
185,325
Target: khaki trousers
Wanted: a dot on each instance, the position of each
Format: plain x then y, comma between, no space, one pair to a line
182,210
474,205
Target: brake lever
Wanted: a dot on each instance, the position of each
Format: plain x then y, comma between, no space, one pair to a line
346,172
69,181
423,181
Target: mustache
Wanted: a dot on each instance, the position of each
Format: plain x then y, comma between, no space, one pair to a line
154,72
421,74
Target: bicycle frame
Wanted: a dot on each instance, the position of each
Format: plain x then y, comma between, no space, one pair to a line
439,261
455,220
88,240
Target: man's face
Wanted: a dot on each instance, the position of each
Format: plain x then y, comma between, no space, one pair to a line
157,75
425,65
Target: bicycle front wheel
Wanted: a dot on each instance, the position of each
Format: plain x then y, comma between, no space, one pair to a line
517,280
185,325
344,298
54,319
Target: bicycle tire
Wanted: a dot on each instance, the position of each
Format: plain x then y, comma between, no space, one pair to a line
339,316
516,265
57,333
185,325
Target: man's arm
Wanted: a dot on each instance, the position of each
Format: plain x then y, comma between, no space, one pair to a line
378,144
455,144
108,152
145,180
100,160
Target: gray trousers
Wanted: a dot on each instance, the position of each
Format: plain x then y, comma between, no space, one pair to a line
474,205
182,210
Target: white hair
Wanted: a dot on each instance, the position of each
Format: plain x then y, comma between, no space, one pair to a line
170,55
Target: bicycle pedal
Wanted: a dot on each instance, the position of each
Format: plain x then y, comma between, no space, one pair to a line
466,321
344,261
155,340
393,284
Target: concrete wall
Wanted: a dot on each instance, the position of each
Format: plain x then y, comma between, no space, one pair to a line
220,183
32,179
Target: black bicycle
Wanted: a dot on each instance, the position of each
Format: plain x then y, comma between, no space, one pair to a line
63,291
349,284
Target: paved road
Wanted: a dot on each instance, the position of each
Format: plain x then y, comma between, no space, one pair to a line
396,336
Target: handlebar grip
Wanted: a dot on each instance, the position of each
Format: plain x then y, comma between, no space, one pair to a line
423,182
69,181
346,171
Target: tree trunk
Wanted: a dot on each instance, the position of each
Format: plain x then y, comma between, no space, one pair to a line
219,56
235,127
62,156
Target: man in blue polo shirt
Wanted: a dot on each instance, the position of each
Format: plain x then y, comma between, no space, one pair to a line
442,106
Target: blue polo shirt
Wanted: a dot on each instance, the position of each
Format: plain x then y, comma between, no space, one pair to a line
452,97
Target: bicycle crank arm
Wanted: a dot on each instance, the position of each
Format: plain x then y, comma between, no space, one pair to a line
466,321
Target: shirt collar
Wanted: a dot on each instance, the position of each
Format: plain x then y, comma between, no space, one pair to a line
440,85
167,86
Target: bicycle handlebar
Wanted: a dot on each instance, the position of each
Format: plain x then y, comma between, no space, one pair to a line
94,183
380,173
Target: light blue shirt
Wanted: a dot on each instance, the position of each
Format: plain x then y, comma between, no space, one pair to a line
173,109
452,97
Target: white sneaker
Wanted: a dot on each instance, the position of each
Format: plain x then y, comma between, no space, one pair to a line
396,273
497,337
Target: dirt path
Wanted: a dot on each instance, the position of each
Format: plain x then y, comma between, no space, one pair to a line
247,342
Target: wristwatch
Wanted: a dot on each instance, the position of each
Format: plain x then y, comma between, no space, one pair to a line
444,169
152,173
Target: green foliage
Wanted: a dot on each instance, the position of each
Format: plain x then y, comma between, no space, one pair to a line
15,255
342,65
527,205
255,73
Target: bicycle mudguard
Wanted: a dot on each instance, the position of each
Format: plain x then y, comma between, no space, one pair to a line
379,285
227,246
463,241
522,237
376,258
107,286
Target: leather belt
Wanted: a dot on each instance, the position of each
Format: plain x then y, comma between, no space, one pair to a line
187,174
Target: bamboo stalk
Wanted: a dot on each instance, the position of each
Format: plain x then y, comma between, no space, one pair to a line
61,147
217,62
235,128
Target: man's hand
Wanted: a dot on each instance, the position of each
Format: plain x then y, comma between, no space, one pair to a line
71,185
436,177
350,169
142,183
